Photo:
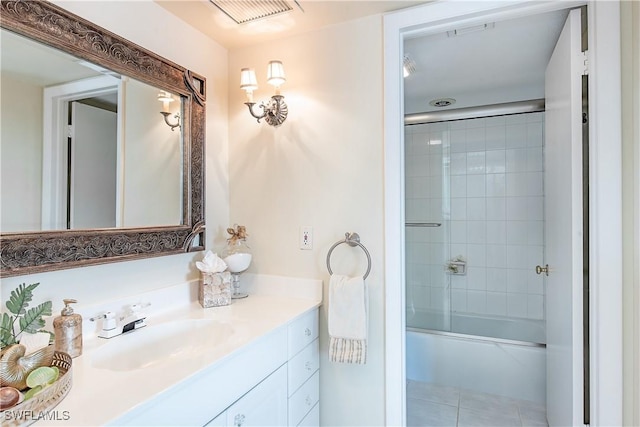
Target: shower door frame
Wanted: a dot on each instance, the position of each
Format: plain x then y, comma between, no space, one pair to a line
605,188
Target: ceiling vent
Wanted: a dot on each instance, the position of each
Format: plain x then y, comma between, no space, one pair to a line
246,11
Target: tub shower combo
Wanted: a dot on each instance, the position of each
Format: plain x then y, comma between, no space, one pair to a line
474,233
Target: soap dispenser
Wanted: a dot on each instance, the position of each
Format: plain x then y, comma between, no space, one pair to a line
68,330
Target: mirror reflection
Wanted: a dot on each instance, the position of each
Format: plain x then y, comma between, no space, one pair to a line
82,147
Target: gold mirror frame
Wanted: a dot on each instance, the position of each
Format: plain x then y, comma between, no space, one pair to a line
35,252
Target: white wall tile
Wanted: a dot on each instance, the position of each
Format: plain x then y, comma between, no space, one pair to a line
477,278
534,160
496,185
476,208
496,303
496,231
458,141
535,134
477,302
476,186
496,209
497,279
458,232
458,163
495,161
517,256
494,198
495,138
517,305
476,138
476,162
459,209
476,231
477,255
517,184
458,186
516,160
516,135
518,208
458,300
535,307
517,280
534,208
496,256
517,232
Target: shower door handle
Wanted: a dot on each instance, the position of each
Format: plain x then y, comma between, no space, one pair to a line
540,270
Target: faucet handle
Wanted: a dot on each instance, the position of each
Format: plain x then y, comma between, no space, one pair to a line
108,320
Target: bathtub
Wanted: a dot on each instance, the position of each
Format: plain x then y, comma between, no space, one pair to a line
509,367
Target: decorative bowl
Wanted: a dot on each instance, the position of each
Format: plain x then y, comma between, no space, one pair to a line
40,405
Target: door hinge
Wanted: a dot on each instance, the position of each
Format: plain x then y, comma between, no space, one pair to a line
585,63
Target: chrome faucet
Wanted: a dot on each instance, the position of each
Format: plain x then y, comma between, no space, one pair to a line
132,319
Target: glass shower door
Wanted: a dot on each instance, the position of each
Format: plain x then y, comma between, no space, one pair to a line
427,227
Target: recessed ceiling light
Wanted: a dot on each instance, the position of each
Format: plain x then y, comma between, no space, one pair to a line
442,102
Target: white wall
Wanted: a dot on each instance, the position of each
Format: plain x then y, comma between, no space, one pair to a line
152,27
21,151
323,168
152,160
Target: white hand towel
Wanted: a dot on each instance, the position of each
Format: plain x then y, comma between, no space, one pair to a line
347,318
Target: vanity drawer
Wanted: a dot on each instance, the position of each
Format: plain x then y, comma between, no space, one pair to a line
302,332
303,365
304,399
312,419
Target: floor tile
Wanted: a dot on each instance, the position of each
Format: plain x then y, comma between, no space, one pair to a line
477,418
433,393
426,414
489,403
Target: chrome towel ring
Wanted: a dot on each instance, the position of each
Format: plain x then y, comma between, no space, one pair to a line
353,240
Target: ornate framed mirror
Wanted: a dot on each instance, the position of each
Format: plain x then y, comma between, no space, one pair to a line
60,244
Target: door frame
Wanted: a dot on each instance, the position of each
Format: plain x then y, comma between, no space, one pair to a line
55,131
605,184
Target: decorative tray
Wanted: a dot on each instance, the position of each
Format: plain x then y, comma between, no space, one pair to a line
40,406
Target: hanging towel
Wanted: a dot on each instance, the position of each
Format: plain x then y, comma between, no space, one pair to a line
347,319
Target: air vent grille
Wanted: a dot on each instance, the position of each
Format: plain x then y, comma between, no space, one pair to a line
250,10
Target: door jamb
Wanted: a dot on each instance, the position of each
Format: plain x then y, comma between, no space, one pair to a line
605,189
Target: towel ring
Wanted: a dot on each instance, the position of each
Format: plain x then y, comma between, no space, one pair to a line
353,240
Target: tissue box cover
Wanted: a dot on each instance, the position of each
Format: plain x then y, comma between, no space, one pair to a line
215,289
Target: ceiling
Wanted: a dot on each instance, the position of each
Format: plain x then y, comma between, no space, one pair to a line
503,63
208,19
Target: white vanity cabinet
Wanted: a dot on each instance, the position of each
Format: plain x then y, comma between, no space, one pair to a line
303,371
265,405
273,381
289,396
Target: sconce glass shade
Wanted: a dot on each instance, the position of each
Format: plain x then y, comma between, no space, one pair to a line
165,97
248,80
275,73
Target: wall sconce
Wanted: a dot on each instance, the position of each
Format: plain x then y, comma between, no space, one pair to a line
274,111
166,98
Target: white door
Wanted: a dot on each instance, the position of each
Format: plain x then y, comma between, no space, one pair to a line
563,227
93,167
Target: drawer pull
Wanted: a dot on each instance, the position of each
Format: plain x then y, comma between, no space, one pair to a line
308,365
238,420
307,332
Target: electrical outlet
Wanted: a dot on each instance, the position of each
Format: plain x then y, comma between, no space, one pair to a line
306,237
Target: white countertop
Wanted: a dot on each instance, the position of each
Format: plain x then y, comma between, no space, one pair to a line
99,396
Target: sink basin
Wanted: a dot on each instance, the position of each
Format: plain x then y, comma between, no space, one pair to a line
152,345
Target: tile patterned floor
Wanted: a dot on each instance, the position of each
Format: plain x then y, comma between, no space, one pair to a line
434,405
